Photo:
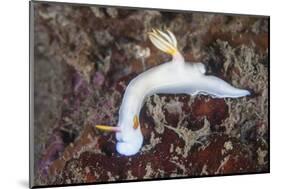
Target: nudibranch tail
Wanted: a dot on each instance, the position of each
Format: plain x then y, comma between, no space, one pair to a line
218,88
108,128
166,42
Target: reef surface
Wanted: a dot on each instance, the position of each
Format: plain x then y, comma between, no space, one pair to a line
84,58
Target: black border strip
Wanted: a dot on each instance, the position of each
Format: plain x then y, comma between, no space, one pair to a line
149,8
268,83
31,93
147,180
31,85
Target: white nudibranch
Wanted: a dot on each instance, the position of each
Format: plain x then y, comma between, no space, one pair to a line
173,77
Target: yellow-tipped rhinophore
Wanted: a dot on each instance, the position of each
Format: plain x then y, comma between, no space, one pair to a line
108,128
164,41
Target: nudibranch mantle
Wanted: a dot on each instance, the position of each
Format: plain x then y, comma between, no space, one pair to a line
173,77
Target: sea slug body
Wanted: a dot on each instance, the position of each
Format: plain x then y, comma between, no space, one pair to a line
174,77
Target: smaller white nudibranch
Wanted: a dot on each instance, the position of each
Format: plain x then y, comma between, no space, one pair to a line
174,77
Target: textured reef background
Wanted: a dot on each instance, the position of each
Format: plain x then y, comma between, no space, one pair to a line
85,57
